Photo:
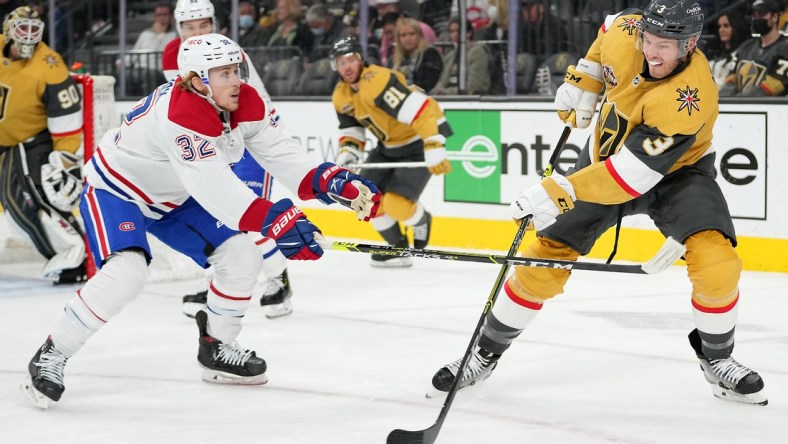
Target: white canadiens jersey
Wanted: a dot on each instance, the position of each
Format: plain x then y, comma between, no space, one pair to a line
174,145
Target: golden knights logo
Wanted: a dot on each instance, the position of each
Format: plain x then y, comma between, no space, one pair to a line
51,60
629,25
689,99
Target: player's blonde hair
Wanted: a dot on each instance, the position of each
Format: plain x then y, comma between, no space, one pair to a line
186,82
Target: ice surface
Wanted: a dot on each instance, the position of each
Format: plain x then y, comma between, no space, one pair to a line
607,362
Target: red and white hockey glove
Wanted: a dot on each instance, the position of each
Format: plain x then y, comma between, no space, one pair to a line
333,183
544,201
293,233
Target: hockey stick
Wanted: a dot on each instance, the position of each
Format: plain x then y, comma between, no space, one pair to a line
384,165
428,435
669,253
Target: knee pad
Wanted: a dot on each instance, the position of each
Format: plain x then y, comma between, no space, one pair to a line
538,284
274,262
236,263
397,206
714,269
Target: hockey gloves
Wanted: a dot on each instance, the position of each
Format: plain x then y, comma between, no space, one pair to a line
293,233
333,183
61,180
435,157
576,99
349,155
544,201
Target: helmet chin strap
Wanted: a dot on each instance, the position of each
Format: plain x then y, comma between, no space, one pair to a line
208,97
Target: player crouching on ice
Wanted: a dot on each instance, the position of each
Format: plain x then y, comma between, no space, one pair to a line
651,154
166,171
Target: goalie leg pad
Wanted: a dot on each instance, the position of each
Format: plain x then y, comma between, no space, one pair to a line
237,263
18,200
538,284
118,282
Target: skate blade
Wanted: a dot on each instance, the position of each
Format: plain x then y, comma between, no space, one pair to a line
433,393
218,377
191,308
399,262
37,398
278,310
757,398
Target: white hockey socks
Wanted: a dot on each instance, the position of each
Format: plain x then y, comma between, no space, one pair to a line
508,318
118,282
236,265
274,262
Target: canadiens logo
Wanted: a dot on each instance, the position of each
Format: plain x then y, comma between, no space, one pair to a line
689,99
126,226
609,75
629,25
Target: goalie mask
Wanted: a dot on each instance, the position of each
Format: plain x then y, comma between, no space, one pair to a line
186,10
24,29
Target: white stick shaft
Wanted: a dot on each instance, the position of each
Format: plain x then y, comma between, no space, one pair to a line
384,165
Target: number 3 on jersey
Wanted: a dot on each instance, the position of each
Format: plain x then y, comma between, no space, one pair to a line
194,148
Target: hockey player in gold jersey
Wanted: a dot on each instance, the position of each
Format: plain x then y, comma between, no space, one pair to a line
40,137
409,126
651,154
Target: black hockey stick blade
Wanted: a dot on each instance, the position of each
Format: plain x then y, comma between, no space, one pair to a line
427,436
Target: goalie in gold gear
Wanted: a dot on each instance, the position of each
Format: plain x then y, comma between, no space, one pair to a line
40,137
409,126
651,154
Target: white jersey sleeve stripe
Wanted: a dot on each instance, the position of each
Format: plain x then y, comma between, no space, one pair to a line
411,107
65,125
631,173
355,132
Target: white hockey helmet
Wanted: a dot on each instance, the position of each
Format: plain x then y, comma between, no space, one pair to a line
24,28
201,53
186,10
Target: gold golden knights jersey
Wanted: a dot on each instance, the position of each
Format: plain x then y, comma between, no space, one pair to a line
401,117
646,128
759,71
37,94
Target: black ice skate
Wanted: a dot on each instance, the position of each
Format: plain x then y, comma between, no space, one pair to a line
479,367
44,384
729,380
72,276
421,232
392,260
276,297
192,303
227,363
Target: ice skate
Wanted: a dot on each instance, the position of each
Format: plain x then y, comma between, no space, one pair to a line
421,232
227,363
392,260
276,297
730,380
479,367
44,384
192,303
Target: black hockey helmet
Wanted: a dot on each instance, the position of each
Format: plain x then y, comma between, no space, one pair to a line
674,19
344,46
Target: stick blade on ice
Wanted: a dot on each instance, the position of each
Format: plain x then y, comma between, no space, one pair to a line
400,436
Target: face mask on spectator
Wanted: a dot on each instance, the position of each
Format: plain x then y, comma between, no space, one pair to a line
246,21
318,32
492,13
761,26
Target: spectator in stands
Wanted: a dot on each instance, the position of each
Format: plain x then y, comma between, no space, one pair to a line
250,33
543,33
783,24
478,61
388,27
760,63
291,29
732,31
386,42
435,14
326,29
414,57
157,36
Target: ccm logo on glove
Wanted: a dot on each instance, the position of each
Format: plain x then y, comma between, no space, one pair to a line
285,220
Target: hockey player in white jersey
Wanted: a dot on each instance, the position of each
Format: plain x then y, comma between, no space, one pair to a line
166,171
194,18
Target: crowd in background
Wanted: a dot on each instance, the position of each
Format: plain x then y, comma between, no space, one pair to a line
288,40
